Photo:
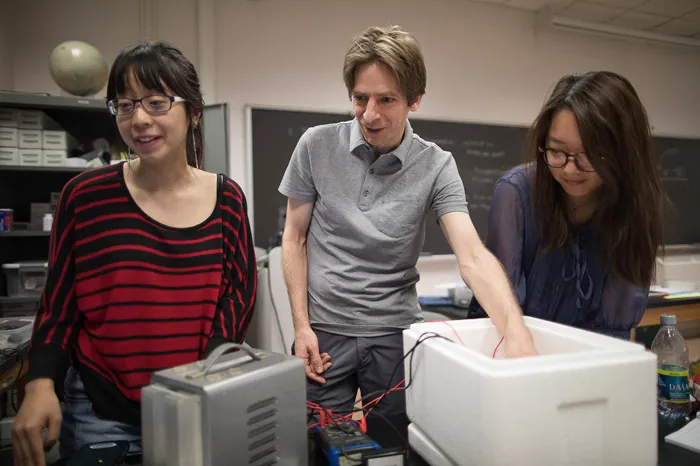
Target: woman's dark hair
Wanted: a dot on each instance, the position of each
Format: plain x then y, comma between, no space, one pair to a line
617,139
159,66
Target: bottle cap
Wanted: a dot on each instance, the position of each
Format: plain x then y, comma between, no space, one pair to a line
668,319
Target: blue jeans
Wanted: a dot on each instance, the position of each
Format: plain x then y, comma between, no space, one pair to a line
81,426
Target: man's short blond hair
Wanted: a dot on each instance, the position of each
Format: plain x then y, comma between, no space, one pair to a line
393,47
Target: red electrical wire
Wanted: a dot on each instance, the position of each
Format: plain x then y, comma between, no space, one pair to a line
493,356
453,329
324,413
375,401
327,416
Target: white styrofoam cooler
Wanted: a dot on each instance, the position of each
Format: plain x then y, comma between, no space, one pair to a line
421,444
586,399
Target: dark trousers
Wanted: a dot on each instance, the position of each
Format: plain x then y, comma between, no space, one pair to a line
366,363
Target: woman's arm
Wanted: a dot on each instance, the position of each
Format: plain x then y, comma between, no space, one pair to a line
237,299
55,324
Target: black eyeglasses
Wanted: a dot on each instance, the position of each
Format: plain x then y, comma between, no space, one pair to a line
557,158
150,103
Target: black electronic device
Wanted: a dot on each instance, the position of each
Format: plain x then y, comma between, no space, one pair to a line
344,440
101,454
385,457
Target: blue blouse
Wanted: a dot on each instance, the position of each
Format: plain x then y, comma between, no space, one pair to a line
569,286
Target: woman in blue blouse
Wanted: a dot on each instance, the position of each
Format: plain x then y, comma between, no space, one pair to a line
578,229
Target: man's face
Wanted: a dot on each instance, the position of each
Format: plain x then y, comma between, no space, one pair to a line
380,107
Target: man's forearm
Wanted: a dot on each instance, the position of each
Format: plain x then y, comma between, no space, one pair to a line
490,285
294,266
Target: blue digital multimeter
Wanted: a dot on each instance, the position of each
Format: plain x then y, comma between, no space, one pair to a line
343,439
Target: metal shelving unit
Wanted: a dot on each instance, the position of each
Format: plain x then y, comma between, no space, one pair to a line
21,168
19,299
23,234
86,120
49,102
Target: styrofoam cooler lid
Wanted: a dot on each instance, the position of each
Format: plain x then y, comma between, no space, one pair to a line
18,265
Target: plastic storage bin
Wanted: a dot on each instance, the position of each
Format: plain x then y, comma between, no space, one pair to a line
25,278
587,399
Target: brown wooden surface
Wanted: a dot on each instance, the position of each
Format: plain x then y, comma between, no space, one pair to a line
683,312
693,349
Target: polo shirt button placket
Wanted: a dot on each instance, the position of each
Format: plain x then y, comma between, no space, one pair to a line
364,200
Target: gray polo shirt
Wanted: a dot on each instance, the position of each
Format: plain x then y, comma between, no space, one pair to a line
368,224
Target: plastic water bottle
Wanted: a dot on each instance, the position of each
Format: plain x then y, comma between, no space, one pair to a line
672,376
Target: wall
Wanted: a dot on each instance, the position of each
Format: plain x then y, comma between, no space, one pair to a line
109,26
485,62
5,47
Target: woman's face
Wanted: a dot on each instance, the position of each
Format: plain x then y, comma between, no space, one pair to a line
153,134
564,140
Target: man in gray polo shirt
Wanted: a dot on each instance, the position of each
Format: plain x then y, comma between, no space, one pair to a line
358,196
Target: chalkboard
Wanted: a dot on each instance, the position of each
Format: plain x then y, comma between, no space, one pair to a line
273,136
678,161
483,152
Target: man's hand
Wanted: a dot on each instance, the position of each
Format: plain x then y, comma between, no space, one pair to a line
40,409
306,348
518,341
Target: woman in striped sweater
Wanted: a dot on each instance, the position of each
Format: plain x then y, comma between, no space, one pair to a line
152,265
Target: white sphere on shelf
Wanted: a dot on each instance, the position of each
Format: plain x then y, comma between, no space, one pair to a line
78,68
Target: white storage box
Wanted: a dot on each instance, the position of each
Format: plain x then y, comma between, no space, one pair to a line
54,158
30,157
679,272
36,119
9,117
9,137
9,156
587,399
30,139
58,140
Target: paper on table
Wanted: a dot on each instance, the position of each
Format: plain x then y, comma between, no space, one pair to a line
688,437
692,294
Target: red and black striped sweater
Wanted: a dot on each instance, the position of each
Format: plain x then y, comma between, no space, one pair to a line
126,296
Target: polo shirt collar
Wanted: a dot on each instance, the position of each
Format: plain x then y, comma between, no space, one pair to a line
401,152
